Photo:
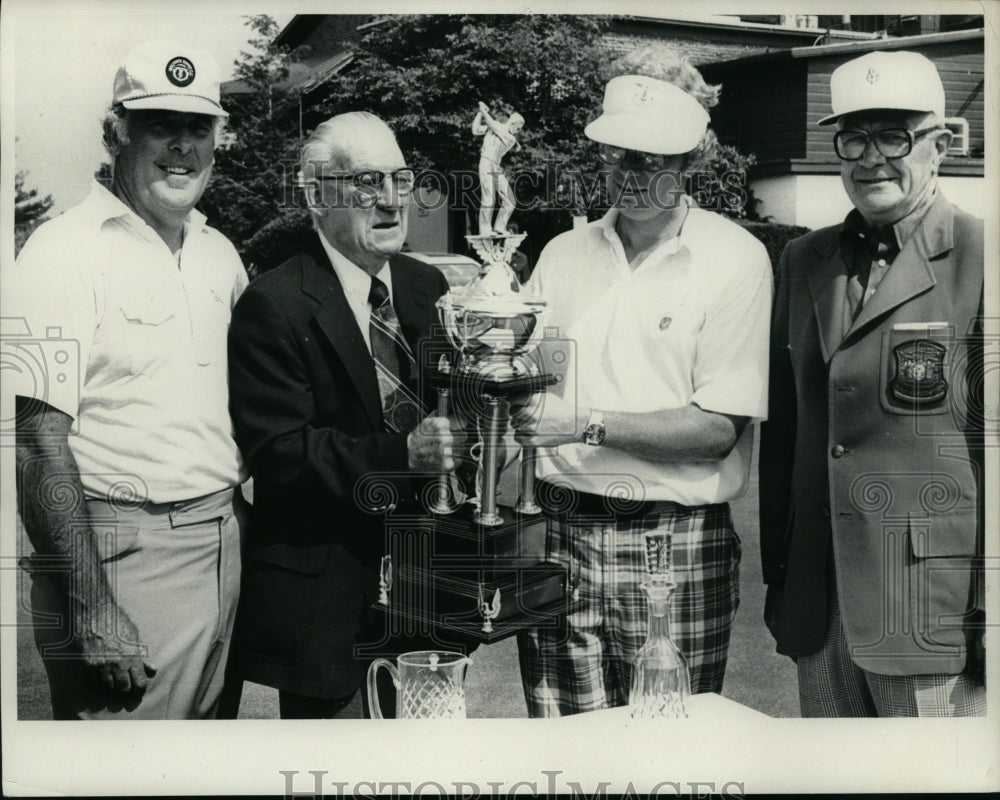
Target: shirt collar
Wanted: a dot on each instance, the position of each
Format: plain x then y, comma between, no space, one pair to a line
356,282
606,225
856,227
103,205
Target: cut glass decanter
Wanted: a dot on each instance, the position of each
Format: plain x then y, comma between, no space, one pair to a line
661,685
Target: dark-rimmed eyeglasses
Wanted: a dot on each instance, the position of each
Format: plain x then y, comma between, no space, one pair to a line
649,162
890,142
372,180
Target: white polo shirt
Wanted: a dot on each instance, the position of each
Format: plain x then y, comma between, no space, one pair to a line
689,325
132,346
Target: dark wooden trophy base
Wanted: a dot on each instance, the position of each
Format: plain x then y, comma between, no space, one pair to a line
486,580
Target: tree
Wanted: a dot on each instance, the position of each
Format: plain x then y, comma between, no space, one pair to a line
424,75
722,185
30,211
103,175
248,198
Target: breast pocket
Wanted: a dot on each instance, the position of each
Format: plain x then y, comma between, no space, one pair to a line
151,334
917,368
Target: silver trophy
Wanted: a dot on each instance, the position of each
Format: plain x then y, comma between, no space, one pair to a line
494,324
475,567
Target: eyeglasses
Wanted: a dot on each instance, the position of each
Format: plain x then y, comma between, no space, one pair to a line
649,162
890,142
372,180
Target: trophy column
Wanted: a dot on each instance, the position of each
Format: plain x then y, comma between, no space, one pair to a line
494,426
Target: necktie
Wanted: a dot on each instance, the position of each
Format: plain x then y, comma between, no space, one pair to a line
875,249
394,363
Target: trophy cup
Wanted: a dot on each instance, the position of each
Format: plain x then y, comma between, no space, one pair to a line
482,569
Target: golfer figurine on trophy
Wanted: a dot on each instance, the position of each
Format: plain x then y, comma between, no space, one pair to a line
498,139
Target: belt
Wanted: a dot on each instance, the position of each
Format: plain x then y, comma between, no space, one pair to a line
562,501
181,512
103,511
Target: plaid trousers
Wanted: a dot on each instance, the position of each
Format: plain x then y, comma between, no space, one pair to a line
585,663
832,685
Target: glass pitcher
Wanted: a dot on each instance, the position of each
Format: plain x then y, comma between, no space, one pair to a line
430,684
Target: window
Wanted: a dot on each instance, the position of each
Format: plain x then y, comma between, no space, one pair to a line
959,127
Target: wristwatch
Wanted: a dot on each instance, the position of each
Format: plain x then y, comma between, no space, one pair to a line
595,431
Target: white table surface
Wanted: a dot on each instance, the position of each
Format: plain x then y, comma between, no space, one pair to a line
704,707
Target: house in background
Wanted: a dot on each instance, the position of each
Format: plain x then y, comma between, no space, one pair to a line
771,102
775,73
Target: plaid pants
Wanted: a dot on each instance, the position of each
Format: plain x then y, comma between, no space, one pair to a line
585,663
832,685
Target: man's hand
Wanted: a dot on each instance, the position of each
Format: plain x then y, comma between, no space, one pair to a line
433,443
113,652
109,642
547,420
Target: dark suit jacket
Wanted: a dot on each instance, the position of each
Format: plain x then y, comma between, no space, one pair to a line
859,483
307,414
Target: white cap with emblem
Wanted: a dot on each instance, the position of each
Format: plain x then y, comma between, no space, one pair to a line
650,115
899,80
164,75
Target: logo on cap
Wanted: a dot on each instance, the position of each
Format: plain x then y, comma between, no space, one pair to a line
872,76
180,71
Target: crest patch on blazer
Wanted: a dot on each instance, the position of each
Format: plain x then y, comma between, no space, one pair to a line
919,372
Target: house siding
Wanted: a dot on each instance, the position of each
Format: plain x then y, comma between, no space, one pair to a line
762,111
324,34
961,71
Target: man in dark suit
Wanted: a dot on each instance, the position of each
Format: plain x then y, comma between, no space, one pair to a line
872,456
324,398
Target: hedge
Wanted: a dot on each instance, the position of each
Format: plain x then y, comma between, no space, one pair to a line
774,235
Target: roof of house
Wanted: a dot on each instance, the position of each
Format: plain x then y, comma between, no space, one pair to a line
300,78
733,23
850,48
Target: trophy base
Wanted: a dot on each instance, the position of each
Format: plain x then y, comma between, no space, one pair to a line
460,536
484,607
528,509
485,582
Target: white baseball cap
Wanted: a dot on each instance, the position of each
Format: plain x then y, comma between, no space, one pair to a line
650,115
899,80
165,75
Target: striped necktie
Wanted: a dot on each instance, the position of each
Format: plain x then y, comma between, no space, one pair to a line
394,363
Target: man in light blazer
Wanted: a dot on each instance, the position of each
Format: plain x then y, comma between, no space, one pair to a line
872,458
324,397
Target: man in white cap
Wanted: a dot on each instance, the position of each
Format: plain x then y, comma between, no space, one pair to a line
872,458
665,308
126,460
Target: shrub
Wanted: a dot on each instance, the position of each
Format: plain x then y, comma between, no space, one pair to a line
774,235
277,241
